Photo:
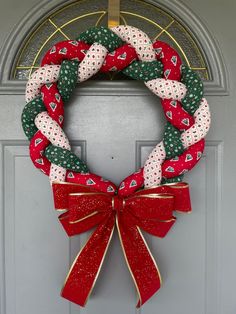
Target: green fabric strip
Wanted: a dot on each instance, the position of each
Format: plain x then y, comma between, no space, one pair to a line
65,158
172,141
173,180
144,71
103,36
67,78
30,111
194,94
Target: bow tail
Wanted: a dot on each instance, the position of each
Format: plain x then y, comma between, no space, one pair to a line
86,266
142,266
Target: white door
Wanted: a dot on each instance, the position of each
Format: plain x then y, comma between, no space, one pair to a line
114,127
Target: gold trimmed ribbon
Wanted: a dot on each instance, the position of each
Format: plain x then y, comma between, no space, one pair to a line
149,209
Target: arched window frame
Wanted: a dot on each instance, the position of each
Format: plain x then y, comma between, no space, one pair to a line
217,85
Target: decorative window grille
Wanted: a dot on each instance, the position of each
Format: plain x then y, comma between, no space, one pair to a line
72,19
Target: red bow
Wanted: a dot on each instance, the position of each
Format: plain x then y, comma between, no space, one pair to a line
148,209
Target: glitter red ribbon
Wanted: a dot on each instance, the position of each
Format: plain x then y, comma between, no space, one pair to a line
150,210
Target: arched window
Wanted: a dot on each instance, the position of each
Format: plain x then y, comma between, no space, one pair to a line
73,18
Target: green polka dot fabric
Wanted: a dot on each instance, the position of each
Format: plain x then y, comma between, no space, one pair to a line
30,111
144,71
172,141
67,78
194,94
172,180
103,36
65,158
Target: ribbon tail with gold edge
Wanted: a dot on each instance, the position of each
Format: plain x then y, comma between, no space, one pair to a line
141,264
87,265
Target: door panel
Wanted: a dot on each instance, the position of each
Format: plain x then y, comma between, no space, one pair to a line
38,252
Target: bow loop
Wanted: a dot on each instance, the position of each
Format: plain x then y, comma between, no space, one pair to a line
159,206
181,194
85,205
62,190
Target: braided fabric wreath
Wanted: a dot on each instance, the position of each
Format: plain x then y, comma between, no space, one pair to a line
126,49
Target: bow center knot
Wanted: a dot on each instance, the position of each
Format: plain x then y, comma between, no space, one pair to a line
118,203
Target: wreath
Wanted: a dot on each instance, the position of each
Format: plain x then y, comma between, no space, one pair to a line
145,199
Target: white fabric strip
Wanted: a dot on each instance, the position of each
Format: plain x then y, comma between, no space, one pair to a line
152,166
44,75
92,62
137,39
168,89
199,130
54,133
51,130
57,173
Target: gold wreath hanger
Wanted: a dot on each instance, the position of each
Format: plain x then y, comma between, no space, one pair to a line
113,13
